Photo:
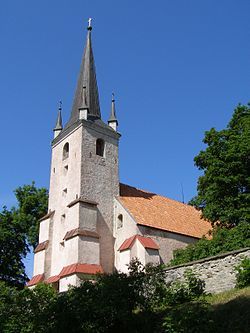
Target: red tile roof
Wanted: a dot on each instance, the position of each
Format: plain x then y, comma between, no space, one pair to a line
147,242
35,280
81,268
52,279
153,210
80,232
41,246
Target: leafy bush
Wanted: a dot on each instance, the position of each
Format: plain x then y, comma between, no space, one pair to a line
192,317
187,290
114,303
243,273
223,240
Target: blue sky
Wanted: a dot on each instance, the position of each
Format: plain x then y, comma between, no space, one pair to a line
177,68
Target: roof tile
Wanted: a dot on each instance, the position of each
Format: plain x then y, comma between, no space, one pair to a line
153,210
81,268
147,242
41,246
52,279
35,280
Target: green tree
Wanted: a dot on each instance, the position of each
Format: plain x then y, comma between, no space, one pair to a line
223,240
13,249
19,230
224,188
32,205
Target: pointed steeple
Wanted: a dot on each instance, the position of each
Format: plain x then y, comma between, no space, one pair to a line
58,128
86,95
113,122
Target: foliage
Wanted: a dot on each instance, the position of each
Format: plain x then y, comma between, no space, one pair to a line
224,188
26,311
18,229
223,240
12,249
243,273
114,303
192,317
32,205
117,302
189,289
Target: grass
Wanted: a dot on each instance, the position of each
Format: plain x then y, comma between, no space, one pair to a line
231,310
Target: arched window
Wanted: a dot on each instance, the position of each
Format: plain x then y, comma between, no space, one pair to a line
100,147
66,151
119,221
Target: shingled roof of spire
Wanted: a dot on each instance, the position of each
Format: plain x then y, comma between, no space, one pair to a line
86,82
153,210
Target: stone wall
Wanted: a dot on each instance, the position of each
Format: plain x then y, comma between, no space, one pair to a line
218,272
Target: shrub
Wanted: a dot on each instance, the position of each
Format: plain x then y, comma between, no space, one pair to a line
191,288
192,317
243,273
223,240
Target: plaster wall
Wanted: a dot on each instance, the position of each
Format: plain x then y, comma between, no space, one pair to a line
72,218
152,256
64,188
140,252
39,262
123,259
100,182
87,217
88,250
65,282
128,229
167,241
70,252
44,230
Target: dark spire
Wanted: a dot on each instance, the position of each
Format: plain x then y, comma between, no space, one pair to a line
86,91
112,117
59,126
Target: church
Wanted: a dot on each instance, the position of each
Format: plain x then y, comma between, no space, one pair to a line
94,223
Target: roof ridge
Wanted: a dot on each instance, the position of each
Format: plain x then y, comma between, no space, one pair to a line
159,195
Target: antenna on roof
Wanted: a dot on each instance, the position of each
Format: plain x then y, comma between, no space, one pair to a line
182,194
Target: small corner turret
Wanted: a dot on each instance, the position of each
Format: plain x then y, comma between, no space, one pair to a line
58,128
113,122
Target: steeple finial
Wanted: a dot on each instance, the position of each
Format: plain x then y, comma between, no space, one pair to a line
86,89
58,128
113,122
90,23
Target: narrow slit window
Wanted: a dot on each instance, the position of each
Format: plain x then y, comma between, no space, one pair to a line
100,147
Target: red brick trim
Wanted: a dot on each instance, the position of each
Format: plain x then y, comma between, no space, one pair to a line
90,269
35,280
41,246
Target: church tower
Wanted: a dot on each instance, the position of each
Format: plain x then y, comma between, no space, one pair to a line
76,236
